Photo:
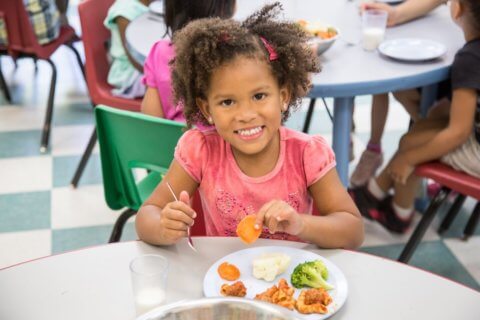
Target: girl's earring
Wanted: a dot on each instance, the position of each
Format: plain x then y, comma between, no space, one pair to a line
210,120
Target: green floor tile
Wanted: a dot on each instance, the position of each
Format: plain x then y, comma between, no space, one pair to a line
76,238
64,168
25,211
73,114
20,143
432,256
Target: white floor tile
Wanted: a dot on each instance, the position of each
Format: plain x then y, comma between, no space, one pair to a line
25,174
80,207
467,253
71,140
16,247
19,118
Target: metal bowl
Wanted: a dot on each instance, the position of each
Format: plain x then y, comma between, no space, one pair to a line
219,309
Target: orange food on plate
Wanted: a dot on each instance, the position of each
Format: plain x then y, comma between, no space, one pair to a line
318,29
281,295
313,301
246,229
236,289
228,271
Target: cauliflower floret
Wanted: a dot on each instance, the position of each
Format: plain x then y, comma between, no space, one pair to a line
269,265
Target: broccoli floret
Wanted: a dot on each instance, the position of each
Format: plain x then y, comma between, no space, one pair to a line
310,274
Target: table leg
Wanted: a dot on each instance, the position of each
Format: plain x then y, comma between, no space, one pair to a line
342,123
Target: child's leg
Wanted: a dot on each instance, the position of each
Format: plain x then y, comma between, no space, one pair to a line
372,158
410,99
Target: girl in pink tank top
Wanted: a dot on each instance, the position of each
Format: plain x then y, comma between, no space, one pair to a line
244,79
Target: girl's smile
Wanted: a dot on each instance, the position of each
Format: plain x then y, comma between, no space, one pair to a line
250,133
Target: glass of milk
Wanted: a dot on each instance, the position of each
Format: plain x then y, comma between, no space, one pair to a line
374,23
149,281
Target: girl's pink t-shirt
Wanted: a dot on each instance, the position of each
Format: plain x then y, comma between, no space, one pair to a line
157,74
228,194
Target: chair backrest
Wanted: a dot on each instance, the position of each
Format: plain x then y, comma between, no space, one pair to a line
130,140
21,36
95,38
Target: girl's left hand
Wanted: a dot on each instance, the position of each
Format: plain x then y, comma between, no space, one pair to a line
279,216
400,169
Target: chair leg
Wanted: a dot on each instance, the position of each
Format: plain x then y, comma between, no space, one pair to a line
119,224
311,108
4,87
49,113
79,59
423,225
83,161
452,213
472,222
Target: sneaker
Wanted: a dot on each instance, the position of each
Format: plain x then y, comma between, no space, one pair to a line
368,164
387,217
365,201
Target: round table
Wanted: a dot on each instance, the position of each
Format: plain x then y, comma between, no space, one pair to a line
94,283
347,70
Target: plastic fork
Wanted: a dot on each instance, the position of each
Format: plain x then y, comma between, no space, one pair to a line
190,242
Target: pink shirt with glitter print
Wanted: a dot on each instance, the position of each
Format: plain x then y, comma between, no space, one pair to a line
157,75
228,194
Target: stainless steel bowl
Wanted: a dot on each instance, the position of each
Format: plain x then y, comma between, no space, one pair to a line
219,309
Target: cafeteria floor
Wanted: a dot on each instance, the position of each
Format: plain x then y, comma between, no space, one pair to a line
40,214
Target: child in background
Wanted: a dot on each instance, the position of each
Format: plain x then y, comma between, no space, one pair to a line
125,74
451,133
372,157
245,79
158,97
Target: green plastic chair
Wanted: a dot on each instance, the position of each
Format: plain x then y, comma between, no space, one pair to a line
130,140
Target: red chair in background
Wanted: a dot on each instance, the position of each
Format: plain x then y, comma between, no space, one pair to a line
95,38
22,42
450,179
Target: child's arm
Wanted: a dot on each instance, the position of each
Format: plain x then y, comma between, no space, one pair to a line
161,220
462,113
122,24
151,103
339,226
406,11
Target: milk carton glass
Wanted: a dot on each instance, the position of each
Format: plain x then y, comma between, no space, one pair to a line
374,23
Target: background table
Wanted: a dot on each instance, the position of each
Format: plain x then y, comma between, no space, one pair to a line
348,70
94,283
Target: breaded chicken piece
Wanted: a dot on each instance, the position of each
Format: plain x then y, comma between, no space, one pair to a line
236,289
313,301
281,295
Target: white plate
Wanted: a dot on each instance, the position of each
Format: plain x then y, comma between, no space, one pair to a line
412,49
156,7
243,260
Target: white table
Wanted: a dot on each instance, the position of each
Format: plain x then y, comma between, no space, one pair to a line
94,283
348,70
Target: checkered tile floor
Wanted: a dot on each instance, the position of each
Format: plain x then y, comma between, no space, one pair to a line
40,214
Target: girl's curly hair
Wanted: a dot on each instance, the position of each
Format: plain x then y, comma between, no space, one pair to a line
205,44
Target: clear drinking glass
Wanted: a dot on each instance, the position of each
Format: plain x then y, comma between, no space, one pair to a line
149,281
374,23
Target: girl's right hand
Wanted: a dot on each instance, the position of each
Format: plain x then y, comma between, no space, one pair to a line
176,217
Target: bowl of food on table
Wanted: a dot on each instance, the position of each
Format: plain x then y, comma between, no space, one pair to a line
322,35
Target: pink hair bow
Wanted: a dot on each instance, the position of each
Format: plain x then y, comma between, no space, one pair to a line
271,52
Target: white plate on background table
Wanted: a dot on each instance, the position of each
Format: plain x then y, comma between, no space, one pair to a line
243,260
156,7
412,49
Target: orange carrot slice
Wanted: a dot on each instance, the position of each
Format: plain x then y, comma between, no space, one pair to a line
228,271
246,229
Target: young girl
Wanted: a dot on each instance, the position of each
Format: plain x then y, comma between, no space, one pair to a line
450,133
158,97
125,74
244,79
